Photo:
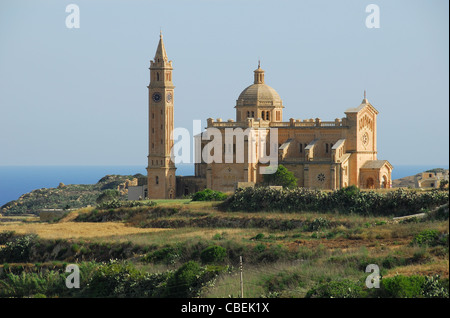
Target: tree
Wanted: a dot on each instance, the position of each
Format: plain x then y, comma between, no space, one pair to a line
107,195
282,177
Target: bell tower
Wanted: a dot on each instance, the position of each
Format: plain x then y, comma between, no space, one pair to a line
161,167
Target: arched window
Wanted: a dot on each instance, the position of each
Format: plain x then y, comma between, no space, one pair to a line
157,76
262,115
253,114
157,180
267,116
248,114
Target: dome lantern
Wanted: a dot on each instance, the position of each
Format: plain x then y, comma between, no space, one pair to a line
259,75
259,100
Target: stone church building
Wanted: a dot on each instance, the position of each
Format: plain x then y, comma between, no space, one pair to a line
321,154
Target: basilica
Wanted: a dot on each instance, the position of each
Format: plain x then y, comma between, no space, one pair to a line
321,154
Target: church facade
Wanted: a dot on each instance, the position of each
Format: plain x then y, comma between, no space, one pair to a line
321,154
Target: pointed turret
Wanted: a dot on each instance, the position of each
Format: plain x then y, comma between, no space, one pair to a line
161,67
161,55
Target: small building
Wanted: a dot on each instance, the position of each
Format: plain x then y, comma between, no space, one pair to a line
430,179
139,191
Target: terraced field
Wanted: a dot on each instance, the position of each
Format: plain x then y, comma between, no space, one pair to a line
285,254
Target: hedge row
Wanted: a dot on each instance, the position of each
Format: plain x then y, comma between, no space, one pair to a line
347,200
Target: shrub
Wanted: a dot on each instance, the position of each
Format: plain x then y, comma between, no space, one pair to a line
185,281
434,288
319,224
6,236
427,237
260,248
122,279
281,281
17,250
29,284
219,236
258,237
34,282
167,255
209,195
213,254
337,289
401,286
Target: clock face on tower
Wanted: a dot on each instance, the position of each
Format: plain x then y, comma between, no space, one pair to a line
156,97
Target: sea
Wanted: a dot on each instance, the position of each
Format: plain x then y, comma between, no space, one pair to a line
18,180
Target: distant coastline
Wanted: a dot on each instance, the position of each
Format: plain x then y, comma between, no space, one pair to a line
18,180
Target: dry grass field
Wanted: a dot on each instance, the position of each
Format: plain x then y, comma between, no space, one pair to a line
68,230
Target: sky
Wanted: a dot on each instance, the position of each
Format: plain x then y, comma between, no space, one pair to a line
78,96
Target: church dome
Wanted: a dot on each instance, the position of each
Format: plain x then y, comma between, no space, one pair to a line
259,94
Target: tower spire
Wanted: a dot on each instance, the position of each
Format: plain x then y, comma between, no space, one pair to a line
161,50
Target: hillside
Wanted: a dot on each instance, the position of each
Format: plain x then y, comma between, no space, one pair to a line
405,182
67,196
